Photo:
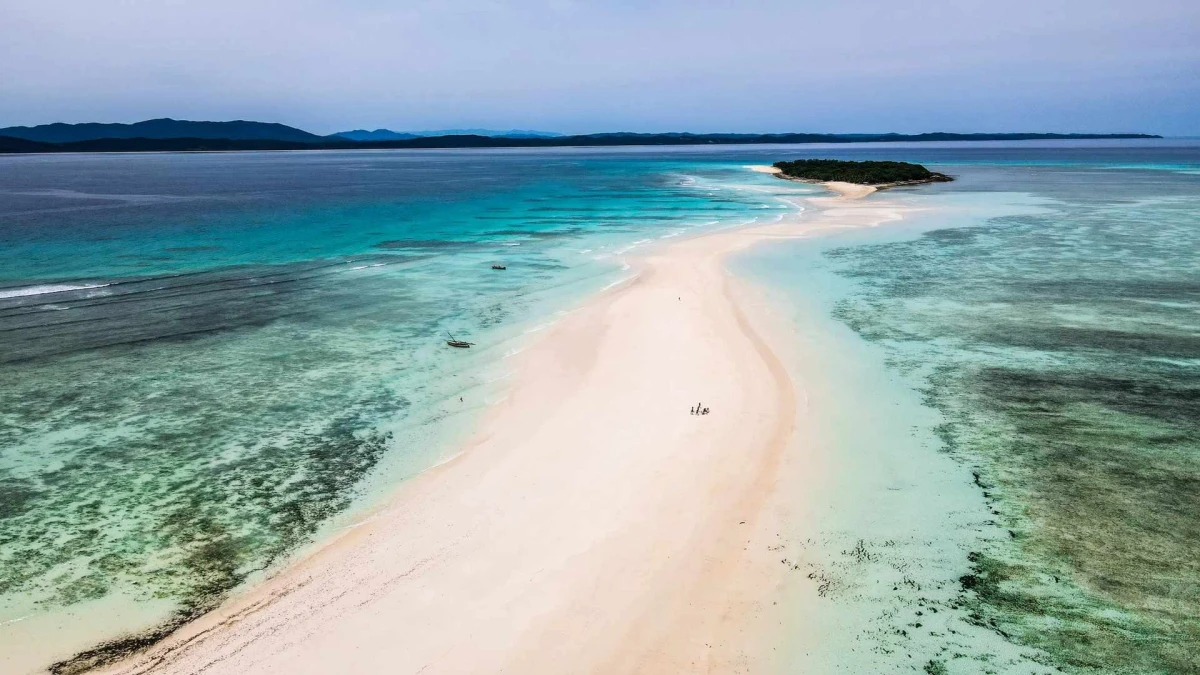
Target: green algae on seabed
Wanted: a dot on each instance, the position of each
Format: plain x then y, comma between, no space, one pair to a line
168,471
1064,352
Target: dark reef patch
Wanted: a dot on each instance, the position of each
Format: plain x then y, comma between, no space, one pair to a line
303,487
1063,351
172,470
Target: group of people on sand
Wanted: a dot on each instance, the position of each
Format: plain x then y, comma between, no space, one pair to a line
698,410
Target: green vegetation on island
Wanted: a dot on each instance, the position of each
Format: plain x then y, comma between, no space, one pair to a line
862,173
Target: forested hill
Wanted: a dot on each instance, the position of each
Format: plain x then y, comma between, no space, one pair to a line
862,173
166,128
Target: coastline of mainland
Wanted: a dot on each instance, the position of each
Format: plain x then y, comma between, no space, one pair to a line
170,135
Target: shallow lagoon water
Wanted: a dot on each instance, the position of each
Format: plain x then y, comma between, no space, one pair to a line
207,361
1056,339
246,353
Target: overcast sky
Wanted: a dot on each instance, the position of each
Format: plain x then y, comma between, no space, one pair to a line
591,65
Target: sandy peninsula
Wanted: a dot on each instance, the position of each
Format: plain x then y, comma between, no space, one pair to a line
844,190
593,525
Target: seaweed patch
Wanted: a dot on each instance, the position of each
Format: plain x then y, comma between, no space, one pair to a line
1062,352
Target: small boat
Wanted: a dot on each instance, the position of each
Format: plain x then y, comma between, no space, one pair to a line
458,343
499,267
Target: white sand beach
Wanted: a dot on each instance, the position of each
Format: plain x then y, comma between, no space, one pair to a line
593,524
844,190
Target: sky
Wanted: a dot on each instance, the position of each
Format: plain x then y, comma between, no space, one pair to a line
580,66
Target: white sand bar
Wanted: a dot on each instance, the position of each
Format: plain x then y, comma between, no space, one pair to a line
592,525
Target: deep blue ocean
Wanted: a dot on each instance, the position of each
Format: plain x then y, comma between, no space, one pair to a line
208,360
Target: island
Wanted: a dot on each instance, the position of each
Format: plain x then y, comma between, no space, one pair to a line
873,173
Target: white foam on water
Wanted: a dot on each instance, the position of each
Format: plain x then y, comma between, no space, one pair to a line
753,188
618,282
44,289
632,246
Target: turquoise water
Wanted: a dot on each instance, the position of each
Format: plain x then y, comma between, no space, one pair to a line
206,361
209,361
1049,313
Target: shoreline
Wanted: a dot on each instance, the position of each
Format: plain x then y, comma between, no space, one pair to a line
844,189
16,146
617,521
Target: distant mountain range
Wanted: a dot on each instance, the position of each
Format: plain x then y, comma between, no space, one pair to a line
238,130
182,135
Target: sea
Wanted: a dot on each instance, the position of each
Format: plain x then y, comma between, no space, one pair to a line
212,362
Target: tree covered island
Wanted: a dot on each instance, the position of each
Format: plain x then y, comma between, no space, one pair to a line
878,174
